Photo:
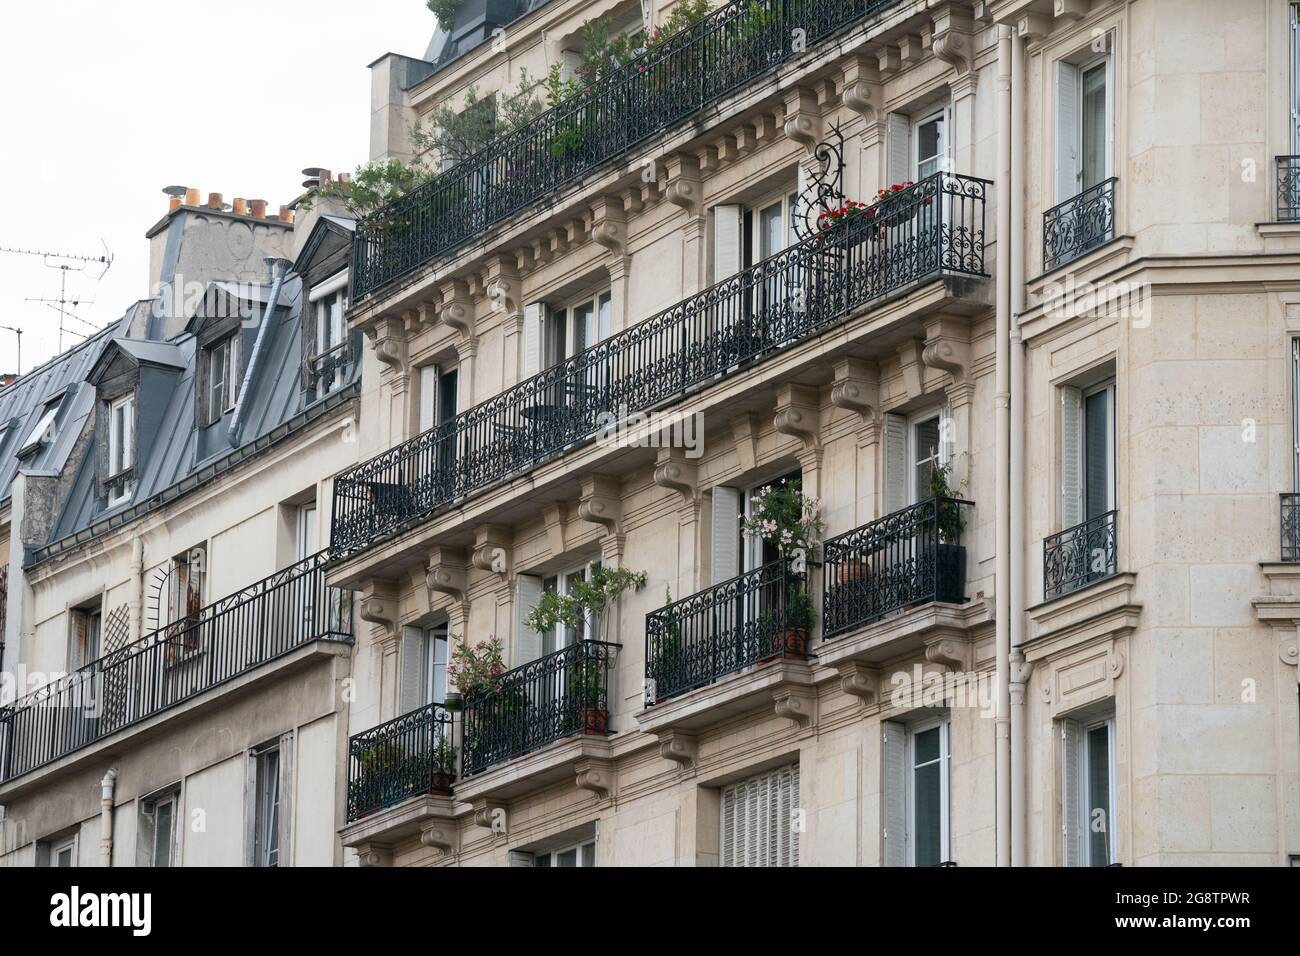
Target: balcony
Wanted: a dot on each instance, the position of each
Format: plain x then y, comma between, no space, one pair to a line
560,695
1080,556
1288,189
662,88
724,629
175,664
1290,525
406,757
1079,225
932,229
907,558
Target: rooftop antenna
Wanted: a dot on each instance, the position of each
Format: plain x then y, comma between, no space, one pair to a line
64,263
18,332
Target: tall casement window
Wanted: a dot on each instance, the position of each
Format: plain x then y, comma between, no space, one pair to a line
1295,79
158,831
223,376
331,338
423,660
1088,791
579,854
529,588
1295,412
918,144
555,331
745,234
266,818
121,449
85,624
439,400
762,820
1087,452
1085,119
917,772
185,584
57,851
914,446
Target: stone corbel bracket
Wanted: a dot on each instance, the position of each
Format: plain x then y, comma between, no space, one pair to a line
602,503
803,118
457,310
856,387
378,606
441,837
683,187
744,432
374,854
595,776
796,704
388,339
863,92
447,573
555,517
679,747
909,365
952,37
492,547
492,815
504,287
948,355
798,413
609,225
861,681
951,652
674,471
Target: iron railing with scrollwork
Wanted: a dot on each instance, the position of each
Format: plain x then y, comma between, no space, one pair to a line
410,755
556,696
912,556
1079,556
1079,225
173,664
1290,523
1288,188
658,90
935,227
725,628
329,370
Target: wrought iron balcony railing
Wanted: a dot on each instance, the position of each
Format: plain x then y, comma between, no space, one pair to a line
760,615
175,663
1079,225
1079,556
410,755
1288,189
556,696
1291,527
912,556
663,87
934,227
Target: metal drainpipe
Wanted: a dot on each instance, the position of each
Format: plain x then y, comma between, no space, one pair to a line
106,788
1002,402
279,268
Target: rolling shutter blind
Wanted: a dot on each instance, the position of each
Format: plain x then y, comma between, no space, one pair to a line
726,533
1071,741
531,361
896,464
528,643
1071,457
898,141
726,241
894,771
410,662
758,820
1067,131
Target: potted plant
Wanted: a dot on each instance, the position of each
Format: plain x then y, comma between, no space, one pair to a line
950,554
443,761
783,516
586,679
476,671
666,641
799,616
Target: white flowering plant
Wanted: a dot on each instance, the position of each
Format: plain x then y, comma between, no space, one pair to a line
784,516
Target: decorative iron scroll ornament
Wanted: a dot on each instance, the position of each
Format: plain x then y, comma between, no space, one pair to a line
824,189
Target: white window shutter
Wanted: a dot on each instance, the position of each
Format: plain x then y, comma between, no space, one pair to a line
898,143
1295,407
895,793
1071,456
726,533
726,241
531,359
896,463
1071,795
410,663
528,643
730,818
428,396
1068,166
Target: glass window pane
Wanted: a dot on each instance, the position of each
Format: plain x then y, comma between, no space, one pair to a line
589,854
772,230
162,835
1094,125
926,451
929,147
1097,453
567,857
926,812
1098,821
543,859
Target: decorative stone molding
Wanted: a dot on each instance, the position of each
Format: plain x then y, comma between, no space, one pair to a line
492,815
680,747
797,704
744,432
609,225
862,88
856,387
438,836
803,119
378,606
909,364
388,339
1070,9
674,471
952,37
374,854
457,307
492,546
684,187
942,351
446,573
888,61
556,518
504,287
910,48
1033,26
602,503
861,681
798,413
595,776
949,651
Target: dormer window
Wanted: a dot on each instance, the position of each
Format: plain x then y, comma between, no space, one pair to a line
223,377
328,358
43,432
121,449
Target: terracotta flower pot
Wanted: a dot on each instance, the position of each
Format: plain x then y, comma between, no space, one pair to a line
442,781
853,571
595,720
796,642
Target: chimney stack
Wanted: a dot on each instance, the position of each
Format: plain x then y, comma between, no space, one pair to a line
173,202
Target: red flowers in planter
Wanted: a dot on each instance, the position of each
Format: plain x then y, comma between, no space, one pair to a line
851,208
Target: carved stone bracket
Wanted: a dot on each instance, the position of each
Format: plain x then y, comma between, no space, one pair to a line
803,118
856,387
504,286
953,653
492,546
953,36
797,704
798,413
440,836
447,573
888,61
609,225
388,339
492,815
457,307
944,351
862,89
673,470
378,606
744,431
595,776
555,517
683,188
861,681
374,854
909,364
681,748
602,503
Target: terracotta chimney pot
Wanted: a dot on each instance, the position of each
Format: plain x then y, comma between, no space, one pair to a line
240,206
192,196
173,202
214,201
286,214
258,207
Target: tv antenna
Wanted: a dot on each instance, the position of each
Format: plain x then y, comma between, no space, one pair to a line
66,262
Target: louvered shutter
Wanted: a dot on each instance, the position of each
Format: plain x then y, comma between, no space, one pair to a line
896,463
1072,834
531,360
894,772
520,858
428,397
410,663
1071,456
757,820
1068,167
726,241
528,643
726,533
1295,411
898,143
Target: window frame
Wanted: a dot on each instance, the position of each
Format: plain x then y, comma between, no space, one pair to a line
914,459
1081,809
266,777
591,622
92,612
43,429
756,249
1109,388
944,726
1083,61
584,851
944,115
57,846
561,322
222,355
150,807
121,447
329,312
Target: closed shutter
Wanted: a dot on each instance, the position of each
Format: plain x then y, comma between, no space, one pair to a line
896,464
410,663
521,858
898,142
758,820
1071,457
428,397
309,344
1295,412
726,241
726,533
894,785
531,360
528,643
1071,741
1068,166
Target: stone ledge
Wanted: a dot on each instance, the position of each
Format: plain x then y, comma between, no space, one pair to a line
1103,608
551,763
758,687
432,817
905,635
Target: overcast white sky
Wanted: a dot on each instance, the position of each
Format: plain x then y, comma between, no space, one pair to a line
105,103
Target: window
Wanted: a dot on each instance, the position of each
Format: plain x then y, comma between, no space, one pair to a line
756,551
581,854
223,377
185,584
1088,807
84,636
761,820
925,436
917,768
1295,78
424,656
588,629
58,851
43,431
159,830
308,532
121,448
929,145
1085,114
266,821
914,445
1087,452
331,340
576,326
